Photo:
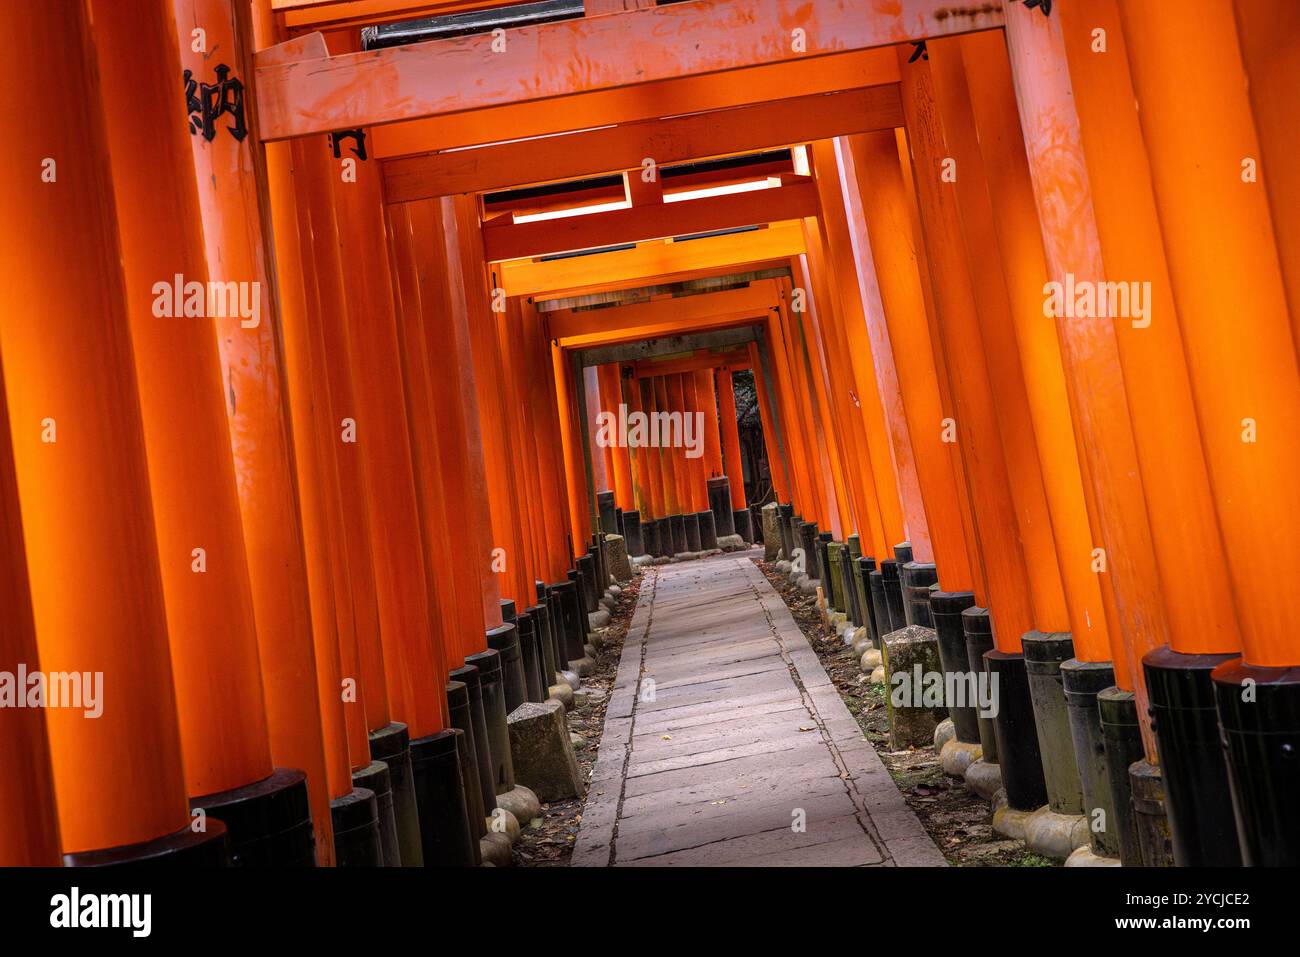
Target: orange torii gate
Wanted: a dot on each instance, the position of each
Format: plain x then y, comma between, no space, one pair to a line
1092,490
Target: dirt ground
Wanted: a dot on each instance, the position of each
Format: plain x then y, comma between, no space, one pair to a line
550,843
958,819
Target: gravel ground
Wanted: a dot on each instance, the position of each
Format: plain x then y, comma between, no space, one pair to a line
549,843
958,819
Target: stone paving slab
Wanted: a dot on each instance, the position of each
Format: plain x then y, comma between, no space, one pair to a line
726,743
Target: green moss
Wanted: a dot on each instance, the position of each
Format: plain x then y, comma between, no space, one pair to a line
1030,859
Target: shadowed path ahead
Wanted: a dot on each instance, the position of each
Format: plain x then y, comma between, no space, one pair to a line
722,727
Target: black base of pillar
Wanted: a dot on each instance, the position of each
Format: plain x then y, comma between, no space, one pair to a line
663,538
945,611
1259,710
1149,817
691,523
893,584
858,583
269,821
575,624
833,583
1195,773
440,793
504,639
785,517
1083,682
355,816
469,676
608,508
392,745
850,598
807,540
719,489
864,566
1044,653
185,848
744,522
376,780
1122,739
823,561
1018,755
530,652
508,613
462,719
650,539
917,577
977,626
677,534
586,576
708,531
632,533
488,664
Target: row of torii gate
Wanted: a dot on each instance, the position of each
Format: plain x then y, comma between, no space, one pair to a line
232,517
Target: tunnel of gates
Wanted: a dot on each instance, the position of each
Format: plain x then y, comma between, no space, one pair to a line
331,321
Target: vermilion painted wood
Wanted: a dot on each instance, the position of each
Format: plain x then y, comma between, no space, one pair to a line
1024,267
699,491
526,454
792,366
620,466
1195,80
775,457
708,401
642,223
1094,373
997,331
91,553
961,343
502,497
463,73
701,361
885,215
654,262
233,193
331,775
663,316
337,13
851,462
413,664
29,831
436,489
615,148
448,341
648,101
323,419
1184,525
541,400
909,490
1273,72
866,396
574,470
730,439
363,660
191,474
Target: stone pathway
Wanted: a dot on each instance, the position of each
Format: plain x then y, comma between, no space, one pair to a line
723,731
